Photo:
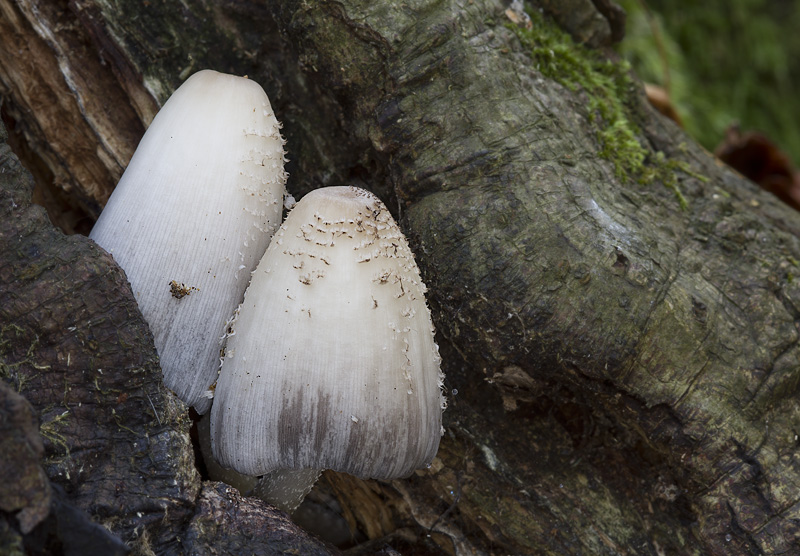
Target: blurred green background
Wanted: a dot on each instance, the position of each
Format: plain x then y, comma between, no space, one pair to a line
722,62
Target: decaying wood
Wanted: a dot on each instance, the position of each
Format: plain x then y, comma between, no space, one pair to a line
25,490
622,373
76,119
73,343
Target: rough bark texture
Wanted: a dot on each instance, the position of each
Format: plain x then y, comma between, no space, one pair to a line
116,442
25,491
79,123
626,370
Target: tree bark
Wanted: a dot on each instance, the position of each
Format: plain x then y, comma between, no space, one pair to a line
116,442
622,365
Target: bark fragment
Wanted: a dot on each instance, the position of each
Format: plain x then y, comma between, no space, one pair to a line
25,490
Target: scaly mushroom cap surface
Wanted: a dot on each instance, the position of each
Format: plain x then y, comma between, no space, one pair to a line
332,364
192,216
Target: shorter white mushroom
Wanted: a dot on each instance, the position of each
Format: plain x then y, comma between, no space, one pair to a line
333,363
192,216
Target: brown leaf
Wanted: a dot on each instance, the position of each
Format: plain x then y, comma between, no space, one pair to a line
756,157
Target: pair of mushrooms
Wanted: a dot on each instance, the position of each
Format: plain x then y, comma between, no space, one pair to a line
329,362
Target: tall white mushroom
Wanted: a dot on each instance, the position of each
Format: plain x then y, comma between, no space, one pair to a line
192,216
333,363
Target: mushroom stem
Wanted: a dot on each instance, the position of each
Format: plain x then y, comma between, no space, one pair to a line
216,472
283,488
286,488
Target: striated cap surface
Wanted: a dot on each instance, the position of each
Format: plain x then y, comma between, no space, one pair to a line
191,217
332,363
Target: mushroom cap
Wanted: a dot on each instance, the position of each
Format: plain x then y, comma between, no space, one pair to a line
333,363
191,217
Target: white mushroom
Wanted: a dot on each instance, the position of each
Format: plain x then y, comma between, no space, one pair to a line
333,363
192,216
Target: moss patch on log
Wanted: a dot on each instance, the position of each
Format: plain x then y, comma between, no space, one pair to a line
611,94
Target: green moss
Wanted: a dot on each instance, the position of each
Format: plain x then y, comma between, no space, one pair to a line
17,372
610,90
51,431
666,171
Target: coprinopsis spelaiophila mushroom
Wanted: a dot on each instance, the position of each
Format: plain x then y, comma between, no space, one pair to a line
192,216
332,364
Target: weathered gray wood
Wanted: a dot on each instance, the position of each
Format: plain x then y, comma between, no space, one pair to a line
627,370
